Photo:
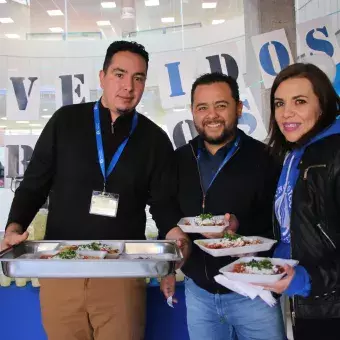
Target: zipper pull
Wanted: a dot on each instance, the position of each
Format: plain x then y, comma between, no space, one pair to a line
293,312
112,128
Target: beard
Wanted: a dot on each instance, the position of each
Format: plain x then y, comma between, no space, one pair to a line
122,112
227,133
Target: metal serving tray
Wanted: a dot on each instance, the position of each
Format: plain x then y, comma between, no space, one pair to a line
137,259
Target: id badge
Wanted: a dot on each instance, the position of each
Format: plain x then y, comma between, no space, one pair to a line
104,204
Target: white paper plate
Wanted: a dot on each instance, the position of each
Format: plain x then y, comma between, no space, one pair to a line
256,278
99,255
152,257
193,228
256,248
44,253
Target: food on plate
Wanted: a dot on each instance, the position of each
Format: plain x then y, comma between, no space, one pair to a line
231,236
64,254
72,247
45,257
99,247
83,257
68,254
208,220
96,246
262,267
231,242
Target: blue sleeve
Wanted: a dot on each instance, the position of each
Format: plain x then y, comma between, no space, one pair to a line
300,285
282,251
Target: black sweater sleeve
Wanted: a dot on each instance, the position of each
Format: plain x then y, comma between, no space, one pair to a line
162,191
35,187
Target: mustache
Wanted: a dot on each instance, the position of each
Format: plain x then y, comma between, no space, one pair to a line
213,121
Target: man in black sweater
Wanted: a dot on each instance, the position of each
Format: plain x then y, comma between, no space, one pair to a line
100,164
221,171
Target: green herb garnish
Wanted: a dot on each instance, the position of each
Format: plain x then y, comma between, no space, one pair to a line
206,216
263,264
231,237
92,246
95,246
67,254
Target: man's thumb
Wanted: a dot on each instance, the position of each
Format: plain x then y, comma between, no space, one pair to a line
24,236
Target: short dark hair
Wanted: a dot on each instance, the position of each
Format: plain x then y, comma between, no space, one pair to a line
216,77
328,100
122,45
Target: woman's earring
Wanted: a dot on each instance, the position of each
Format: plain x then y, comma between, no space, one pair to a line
320,114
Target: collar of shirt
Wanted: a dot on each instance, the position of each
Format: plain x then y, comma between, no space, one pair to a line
112,138
221,152
209,164
122,124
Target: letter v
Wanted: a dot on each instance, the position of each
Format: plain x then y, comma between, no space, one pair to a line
20,92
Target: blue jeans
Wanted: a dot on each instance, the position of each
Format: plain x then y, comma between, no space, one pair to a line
230,316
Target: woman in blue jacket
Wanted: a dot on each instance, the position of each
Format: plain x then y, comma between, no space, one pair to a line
305,133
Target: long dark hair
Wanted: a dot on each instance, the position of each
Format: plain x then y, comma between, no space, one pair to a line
328,100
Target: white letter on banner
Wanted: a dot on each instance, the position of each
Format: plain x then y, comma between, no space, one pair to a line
317,37
23,97
176,73
72,89
251,121
18,152
181,127
223,58
273,54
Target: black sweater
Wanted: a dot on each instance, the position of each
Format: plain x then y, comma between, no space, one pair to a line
65,166
245,187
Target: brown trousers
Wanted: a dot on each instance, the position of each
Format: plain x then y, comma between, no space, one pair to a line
87,309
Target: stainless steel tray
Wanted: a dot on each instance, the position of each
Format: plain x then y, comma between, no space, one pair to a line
137,259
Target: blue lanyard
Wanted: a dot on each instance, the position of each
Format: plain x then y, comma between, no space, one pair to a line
225,161
100,148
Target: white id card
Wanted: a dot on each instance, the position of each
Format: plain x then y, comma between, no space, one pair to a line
104,204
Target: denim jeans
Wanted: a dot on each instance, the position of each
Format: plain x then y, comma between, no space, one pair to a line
231,316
